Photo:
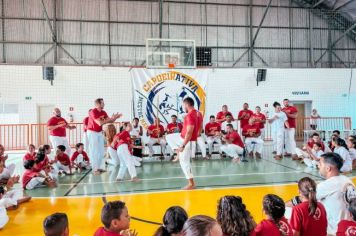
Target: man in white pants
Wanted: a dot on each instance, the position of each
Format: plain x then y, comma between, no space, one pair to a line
57,126
290,144
155,132
85,136
212,132
279,120
183,142
233,146
229,120
97,118
201,144
253,140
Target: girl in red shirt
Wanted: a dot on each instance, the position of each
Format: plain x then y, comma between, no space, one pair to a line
275,224
308,217
233,217
348,227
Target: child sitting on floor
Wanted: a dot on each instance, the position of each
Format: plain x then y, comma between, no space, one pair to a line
6,175
10,168
80,158
348,227
32,179
116,220
314,155
62,161
31,153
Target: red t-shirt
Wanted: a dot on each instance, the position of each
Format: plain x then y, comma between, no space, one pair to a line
195,119
247,115
76,154
61,131
123,138
269,228
85,123
174,128
222,115
212,128
27,176
346,228
103,232
95,114
250,131
63,159
311,144
156,131
290,110
42,165
236,139
259,119
305,224
29,156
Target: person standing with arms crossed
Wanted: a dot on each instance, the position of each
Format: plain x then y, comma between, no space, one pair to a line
97,118
292,114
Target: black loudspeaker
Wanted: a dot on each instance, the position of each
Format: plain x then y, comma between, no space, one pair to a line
48,73
203,56
261,75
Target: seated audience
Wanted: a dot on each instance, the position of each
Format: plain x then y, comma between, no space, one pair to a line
80,158
253,141
275,224
314,154
348,227
308,217
32,179
4,157
212,133
221,116
173,221
330,191
233,145
56,225
155,133
31,153
344,153
136,134
304,152
116,220
7,176
229,121
336,133
233,217
259,119
201,225
351,144
62,160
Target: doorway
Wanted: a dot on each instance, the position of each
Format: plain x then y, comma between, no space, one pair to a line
304,110
44,112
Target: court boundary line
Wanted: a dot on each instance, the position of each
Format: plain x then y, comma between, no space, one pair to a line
75,184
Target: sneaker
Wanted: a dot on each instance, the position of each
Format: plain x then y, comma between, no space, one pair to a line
258,155
278,157
250,154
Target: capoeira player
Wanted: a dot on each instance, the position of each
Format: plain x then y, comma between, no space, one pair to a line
183,142
259,119
221,116
244,115
233,145
290,144
155,132
229,120
252,133
97,118
279,120
212,133
57,130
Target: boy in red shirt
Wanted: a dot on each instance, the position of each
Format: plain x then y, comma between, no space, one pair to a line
62,161
212,132
233,146
80,158
252,133
244,115
32,179
31,154
156,135
221,116
292,114
348,227
116,220
56,224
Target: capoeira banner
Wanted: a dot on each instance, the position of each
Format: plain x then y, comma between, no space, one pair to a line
160,93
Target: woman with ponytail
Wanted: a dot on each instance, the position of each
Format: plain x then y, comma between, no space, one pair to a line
275,224
308,217
173,221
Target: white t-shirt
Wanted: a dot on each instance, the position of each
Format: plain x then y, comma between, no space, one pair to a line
223,125
330,194
345,155
135,131
352,152
318,153
278,123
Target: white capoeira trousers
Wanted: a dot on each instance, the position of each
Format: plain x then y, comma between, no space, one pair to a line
96,149
86,142
290,141
210,140
56,141
8,171
278,140
35,182
301,153
80,161
251,142
161,141
232,150
114,158
175,141
126,162
202,146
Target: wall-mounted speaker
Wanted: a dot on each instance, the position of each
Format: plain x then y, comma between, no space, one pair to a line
261,75
48,73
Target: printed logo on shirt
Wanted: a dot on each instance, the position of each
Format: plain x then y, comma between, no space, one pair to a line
284,227
351,231
317,214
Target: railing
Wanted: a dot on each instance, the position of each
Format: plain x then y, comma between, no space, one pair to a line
18,136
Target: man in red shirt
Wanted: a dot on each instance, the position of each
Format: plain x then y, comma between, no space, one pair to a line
57,130
221,116
155,132
174,126
244,115
233,145
183,142
212,132
260,120
292,114
98,118
252,133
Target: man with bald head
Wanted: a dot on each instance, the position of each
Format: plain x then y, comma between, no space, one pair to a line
57,126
